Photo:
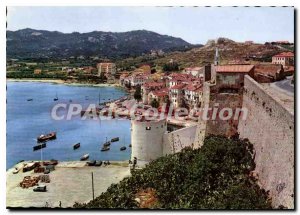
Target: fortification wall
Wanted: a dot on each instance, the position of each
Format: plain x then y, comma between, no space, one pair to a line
177,140
270,127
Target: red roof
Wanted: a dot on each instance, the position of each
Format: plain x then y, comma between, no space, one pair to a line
193,87
177,87
161,93
285,54
234,68
153,84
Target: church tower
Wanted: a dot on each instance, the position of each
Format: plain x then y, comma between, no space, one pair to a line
216,55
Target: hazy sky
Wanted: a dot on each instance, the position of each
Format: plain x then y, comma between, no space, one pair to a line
193,24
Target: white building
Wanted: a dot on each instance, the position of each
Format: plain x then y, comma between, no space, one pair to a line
147,140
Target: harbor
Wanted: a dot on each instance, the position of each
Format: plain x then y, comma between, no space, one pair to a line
89,133
70,182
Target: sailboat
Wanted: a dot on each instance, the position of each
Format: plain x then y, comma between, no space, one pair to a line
123,147
56,98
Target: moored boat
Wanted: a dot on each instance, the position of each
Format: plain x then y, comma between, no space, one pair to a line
115,139
107,143
85,157
123,148
105,148
129,145
39,146
46,137
76,146
29,100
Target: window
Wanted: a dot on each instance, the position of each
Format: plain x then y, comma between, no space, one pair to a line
148,128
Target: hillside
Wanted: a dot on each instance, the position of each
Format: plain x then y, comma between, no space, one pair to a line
228,49
217,176
31,43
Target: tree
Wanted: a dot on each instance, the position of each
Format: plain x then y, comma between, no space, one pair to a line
154,103
138,93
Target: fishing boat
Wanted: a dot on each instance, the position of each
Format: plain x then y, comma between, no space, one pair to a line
76,146
123,147
56,98
105,148
29,100
115,139
85,157
40,146
107,143
46,137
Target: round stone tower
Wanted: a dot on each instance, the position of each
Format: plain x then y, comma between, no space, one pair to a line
147,140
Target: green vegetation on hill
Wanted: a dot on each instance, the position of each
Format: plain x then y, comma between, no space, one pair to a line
217,176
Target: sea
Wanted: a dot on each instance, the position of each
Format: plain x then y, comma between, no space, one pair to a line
26,120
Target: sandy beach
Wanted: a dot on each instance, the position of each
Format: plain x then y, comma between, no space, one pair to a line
59,81
70,182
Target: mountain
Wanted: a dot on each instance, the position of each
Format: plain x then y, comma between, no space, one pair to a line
229,51
31,43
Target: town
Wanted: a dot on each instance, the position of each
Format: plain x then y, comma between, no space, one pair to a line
112,117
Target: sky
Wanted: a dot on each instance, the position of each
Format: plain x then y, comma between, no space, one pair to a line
195,25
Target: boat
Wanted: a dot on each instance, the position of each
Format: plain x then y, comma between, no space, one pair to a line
30,166
123,148
98,163
115,139
105,148
56,98
46,137
76,146
40,146
16,170
85,157
40,188
130,145
29,100
107,143
91,163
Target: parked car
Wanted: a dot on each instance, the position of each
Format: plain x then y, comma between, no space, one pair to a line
41,188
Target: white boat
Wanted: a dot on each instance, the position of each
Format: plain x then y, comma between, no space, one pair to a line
85,157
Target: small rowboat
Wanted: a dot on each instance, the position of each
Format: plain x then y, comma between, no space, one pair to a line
85,157
105,148
115,139
76,146
44,138
40,146
123,148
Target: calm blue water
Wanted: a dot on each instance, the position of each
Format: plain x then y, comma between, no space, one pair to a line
28,119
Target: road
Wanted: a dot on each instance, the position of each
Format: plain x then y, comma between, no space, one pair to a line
285,86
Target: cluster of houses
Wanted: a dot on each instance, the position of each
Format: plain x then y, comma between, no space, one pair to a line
185,88
180,89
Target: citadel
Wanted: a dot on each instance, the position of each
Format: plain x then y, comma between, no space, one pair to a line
269,123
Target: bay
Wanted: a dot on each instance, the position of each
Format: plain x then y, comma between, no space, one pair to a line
28,119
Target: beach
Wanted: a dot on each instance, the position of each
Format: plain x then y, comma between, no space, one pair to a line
70,182
59,81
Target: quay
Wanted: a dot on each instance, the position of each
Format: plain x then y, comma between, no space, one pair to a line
70,182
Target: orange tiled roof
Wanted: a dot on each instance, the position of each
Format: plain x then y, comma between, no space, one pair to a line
234,68
285,54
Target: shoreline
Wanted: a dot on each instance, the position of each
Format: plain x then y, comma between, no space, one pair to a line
73,177
59,81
